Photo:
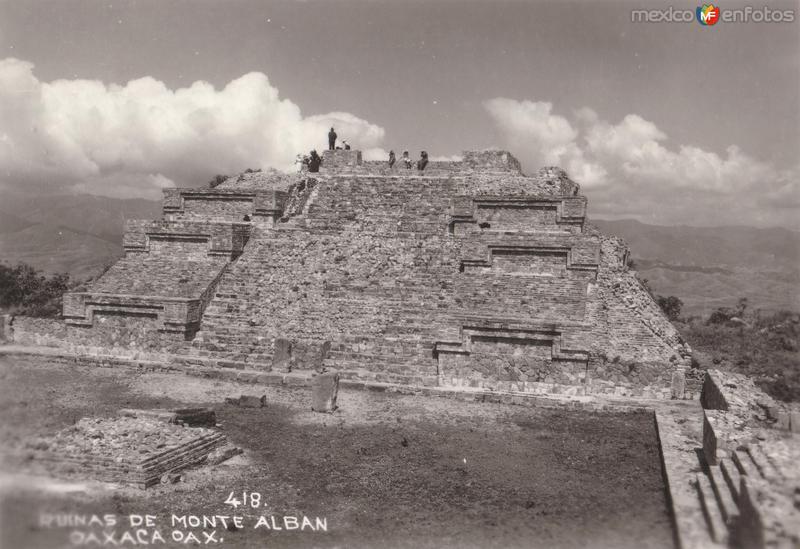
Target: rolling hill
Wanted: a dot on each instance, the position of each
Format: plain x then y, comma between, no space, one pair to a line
711,267
76,234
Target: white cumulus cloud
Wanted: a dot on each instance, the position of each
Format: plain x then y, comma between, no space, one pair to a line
629,170
134,139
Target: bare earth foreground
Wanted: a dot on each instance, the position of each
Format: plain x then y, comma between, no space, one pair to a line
384,470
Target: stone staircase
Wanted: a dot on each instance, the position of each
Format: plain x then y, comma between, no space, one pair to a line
749,485
733,513
380,278
718,489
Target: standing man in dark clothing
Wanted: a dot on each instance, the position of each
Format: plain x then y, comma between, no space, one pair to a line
314,161
332,140
423,161
392,158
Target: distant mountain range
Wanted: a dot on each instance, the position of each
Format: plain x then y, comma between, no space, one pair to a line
710,267
706,267
702,246
77,234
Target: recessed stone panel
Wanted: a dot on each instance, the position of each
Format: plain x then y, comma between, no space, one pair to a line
530,262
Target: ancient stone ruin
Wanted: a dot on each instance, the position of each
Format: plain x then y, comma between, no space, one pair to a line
131,450
467,280
469,273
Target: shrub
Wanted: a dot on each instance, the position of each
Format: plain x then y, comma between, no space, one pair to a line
670,305
217,180
23,290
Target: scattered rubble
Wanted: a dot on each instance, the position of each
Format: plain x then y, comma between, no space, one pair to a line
248,401
189,417
137,450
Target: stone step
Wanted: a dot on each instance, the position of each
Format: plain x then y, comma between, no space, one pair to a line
732,477
745,464
372,363
716,524
722,492
763,463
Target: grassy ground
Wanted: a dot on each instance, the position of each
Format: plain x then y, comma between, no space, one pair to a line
385,470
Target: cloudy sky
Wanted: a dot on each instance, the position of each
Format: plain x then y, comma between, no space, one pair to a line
669,123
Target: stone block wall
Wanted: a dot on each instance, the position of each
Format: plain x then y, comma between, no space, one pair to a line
199,238
491,161
223,204
486,214
123,333
45,332
338,160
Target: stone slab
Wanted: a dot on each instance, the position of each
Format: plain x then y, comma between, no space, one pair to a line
678,384
324,392
282,356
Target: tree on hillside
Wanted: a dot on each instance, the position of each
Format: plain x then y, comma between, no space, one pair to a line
24,290
670,305
726,314
217,180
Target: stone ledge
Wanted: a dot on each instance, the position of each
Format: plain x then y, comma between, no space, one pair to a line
677,439
194,366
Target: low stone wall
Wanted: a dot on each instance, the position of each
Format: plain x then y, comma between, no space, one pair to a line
738,394
223,204
633,378
712,397
122,339
127,333
43,332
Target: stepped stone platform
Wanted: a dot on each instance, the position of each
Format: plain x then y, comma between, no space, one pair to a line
467,274
135,451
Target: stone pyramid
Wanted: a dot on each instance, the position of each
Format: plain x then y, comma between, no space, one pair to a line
468,273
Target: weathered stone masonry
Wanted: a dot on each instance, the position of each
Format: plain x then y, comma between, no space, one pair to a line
469,273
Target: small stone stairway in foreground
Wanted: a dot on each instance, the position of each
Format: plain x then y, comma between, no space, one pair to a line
720,489
749,486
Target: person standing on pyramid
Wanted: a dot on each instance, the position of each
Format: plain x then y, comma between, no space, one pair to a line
332,139
314,161
423,161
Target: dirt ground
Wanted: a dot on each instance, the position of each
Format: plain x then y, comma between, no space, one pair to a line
385,470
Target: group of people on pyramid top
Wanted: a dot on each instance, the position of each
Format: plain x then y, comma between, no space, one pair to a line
332,142
406,161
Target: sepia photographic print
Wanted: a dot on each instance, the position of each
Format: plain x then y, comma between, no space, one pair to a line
399,274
